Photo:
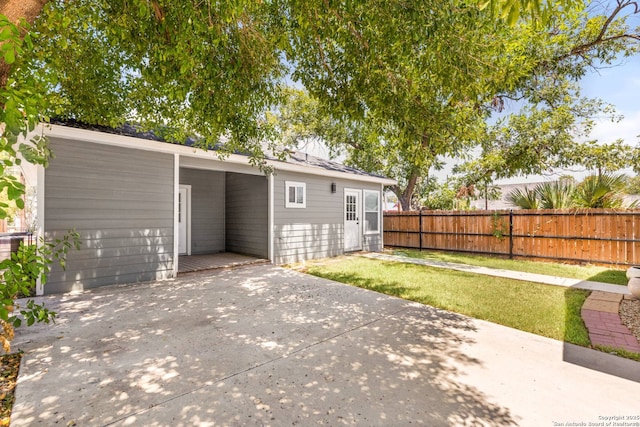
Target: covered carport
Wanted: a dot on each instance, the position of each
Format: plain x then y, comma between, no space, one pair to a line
223,209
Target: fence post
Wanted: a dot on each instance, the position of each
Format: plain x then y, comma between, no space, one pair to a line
510,233
420,229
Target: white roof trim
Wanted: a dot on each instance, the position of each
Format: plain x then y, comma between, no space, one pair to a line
70,133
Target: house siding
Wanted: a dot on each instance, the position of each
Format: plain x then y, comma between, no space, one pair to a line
207,209
247,210
317,230
120,201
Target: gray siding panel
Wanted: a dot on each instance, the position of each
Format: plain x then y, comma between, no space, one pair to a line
317,230
120,200
207,209
247,221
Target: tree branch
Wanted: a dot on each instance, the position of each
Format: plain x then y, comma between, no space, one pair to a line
601,37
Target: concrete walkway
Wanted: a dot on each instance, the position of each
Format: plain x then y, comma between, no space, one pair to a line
509,274
265,346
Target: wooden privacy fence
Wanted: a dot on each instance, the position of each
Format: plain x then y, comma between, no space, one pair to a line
598,236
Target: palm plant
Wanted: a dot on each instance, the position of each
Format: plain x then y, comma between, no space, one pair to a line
555,195
601,191
524,198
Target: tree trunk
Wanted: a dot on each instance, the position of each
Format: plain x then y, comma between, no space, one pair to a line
15,10
405,203
405,195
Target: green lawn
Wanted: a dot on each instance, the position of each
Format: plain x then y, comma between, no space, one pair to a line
584,272
550,311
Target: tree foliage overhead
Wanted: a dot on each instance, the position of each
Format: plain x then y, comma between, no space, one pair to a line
410,78
549,130
410,81
194,67
412,94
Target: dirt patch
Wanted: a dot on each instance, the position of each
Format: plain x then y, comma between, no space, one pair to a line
630,316
9,367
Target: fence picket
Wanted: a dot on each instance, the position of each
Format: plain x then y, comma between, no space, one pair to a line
597,236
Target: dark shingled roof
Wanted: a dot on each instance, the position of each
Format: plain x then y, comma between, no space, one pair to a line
294,157
300,158
126,129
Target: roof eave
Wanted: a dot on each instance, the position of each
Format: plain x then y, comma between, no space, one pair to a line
71,133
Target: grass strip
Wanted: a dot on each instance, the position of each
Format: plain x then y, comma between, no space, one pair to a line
619,352
583,272
550,311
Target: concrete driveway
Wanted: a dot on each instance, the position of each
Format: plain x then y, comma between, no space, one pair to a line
263,345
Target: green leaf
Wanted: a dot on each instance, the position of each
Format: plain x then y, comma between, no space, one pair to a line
6,34
514,14
10,56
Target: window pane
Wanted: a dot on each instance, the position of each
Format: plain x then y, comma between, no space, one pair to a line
371,221
292,194
300,191
371,202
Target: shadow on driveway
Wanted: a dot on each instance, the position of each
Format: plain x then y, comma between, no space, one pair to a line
254,346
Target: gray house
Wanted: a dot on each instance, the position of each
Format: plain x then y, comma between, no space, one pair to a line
141,206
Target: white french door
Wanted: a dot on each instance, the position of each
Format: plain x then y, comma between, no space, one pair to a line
352,228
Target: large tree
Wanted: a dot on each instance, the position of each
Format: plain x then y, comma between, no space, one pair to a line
423,96
413,77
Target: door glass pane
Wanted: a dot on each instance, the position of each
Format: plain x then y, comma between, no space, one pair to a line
350,208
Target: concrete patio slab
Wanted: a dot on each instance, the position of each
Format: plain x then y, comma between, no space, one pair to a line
263,345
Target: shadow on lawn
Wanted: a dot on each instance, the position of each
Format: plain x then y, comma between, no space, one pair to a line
581,355
617,277
357,280
254,346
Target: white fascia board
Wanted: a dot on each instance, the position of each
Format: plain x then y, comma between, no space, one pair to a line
86,135
29,171
313,170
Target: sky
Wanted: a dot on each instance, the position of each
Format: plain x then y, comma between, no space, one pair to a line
619,86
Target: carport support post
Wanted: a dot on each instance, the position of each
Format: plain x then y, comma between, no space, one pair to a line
270,203
176,194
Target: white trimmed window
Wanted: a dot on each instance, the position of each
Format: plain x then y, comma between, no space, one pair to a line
371,212
295,194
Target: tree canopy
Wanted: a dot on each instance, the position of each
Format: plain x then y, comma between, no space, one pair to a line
409,102
408,82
